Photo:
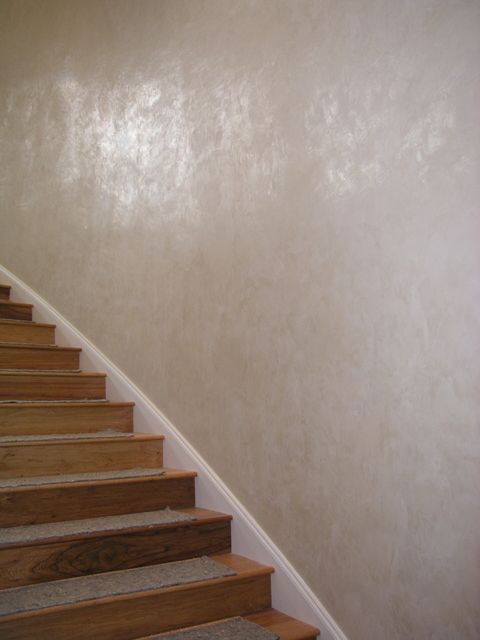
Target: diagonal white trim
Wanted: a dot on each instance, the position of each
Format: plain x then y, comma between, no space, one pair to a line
290,592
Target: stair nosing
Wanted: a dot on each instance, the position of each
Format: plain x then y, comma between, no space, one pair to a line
23,404
169,474
26,305
28,323
38,373
128,437
13,402
40,347
29,370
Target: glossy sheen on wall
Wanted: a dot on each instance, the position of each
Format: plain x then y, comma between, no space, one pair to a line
266,212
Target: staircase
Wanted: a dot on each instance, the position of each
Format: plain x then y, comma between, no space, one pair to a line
97,540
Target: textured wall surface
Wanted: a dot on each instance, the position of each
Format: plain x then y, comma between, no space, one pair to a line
266,212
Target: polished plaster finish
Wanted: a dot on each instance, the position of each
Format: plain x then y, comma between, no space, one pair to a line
266,212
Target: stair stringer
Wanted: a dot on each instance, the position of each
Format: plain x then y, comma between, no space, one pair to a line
290,593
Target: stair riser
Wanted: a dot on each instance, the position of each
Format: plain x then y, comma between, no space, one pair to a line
31,420
32,505
14,311
29,459
38,387
133,616
40,563
4,292
42,359
26,333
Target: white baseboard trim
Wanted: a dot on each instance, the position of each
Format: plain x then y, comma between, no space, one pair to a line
290,592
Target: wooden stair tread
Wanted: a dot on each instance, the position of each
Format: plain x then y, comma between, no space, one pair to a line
285,627
23,536
88,439
152,612
18,304
241,566
29,323
167,474
37,347
48,457
26,305
72,592
53,374
143,613
89,499
58,437
52,404
54,551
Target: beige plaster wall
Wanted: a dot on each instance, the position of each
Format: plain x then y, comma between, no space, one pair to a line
266,212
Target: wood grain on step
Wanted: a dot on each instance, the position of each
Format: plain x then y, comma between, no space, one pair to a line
284,626
15,310
35,418
38,357
5,291
27,332
145,613
51,386
84,554
73,501
20,459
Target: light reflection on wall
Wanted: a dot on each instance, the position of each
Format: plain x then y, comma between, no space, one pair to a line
129,142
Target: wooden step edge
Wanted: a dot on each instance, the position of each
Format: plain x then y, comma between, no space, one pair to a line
40,347
28,323
203,517
38,404
53,374
242,564
244,568
207,513
170,474
23,305
284,626
38,368
33,345
135,437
